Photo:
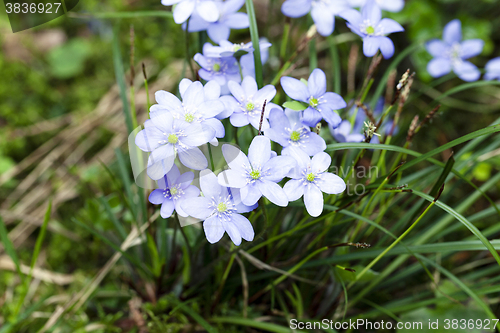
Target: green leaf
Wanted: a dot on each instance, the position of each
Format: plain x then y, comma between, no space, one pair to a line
295,105
68,60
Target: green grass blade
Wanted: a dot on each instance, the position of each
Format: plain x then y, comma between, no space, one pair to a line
9,247
464,221
120,78
254,34
112,217
40,238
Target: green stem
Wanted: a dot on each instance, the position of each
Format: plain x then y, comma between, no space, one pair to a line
254,34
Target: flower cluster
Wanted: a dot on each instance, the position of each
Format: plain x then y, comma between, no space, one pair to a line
178,127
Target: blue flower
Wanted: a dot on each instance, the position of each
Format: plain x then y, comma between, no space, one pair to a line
451,53
166,137
370,26
321,104
256,175
228,49
246,102
389,5
218,69
322,12
221,28
288,130
343,133
309,179
173,190
492,69
206,9
200,104
219,208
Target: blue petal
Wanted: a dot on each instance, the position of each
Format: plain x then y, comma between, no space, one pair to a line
466,71
316,84
235,158
436,48
294,189
296,8
193,158
311,117
313,199
156,197
320,162
232,231
209,184
199,207
183,11
278,167
471,48
371,46
273,192
232,178
438,67
295,89
371,12
323,18
388,26
250,194
452,32
386,47
218,31
213,229
244,226
259,151
167,208
331,183
207,10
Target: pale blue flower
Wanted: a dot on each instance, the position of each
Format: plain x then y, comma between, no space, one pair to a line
206,9
229,18
218,69
309,179
389,5
321,104
322,12
370,26
228,49
219,208
450,53
258,174
288,130
173,190
343,133
492,69
247,101
200,104
166,137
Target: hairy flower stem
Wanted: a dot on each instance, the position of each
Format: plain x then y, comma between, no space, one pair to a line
254,34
